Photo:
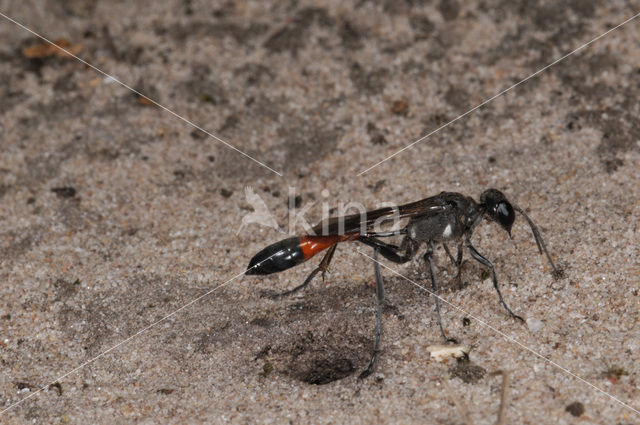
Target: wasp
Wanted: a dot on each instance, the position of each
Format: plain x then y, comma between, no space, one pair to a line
444,218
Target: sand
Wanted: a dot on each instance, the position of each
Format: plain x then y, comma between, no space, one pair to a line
144,220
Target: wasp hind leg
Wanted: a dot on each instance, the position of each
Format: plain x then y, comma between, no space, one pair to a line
391,253
380,298
322,267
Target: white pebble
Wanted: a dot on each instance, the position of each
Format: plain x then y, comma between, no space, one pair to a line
534,324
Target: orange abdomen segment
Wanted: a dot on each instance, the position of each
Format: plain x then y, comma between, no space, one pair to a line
311,245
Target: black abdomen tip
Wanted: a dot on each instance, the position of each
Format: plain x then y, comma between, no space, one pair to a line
277,257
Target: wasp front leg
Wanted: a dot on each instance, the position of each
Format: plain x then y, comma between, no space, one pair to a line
482,260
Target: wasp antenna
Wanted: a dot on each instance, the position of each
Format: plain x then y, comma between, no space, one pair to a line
557,273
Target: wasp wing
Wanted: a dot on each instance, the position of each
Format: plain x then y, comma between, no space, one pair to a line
357,223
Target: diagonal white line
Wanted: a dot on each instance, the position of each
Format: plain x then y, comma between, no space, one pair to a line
140,94
499,94
507,337
146,328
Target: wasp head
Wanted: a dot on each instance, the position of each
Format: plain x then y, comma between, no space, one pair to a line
497,208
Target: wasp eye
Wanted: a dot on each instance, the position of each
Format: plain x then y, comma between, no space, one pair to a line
503,213
498,208
502,209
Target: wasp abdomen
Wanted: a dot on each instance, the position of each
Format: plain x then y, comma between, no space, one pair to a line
292,251
277,257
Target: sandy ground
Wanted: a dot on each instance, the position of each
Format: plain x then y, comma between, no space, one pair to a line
147,209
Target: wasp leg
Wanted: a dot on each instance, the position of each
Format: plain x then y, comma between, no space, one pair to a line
428,258
389,251
380,298
475,254
322,267
456,262
446,249
385,234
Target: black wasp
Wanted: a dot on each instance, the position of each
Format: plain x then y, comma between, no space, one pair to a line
446,217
